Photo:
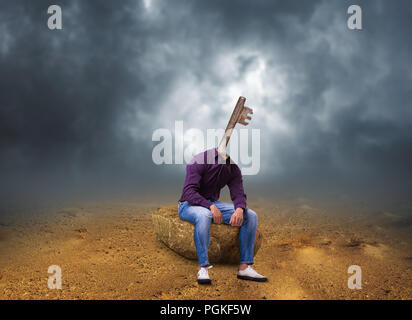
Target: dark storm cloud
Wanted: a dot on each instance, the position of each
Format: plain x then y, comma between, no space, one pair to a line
64,93
78,106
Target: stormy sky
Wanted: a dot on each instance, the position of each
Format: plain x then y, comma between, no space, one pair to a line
78,106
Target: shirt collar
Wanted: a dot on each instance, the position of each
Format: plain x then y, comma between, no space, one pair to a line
217,155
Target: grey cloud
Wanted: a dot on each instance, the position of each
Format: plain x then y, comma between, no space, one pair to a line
78,106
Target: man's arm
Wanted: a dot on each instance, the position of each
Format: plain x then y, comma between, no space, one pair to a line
238,197
237,194
192,186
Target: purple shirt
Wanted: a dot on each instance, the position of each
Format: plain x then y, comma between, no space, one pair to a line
205,179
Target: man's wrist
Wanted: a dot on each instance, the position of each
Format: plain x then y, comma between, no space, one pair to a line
241,210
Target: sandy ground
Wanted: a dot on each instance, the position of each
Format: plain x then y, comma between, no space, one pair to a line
111,252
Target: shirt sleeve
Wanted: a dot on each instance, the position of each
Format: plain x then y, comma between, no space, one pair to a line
192,186
237,194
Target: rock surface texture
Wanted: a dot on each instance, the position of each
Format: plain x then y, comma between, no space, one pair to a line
178,236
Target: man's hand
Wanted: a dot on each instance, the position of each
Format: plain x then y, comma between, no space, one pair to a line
217,215
236,219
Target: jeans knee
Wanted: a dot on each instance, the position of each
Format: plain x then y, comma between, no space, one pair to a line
251,217
204,217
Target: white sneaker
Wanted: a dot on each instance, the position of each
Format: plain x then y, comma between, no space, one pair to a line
203,275
250,274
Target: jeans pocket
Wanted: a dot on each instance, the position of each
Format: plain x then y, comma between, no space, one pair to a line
180,207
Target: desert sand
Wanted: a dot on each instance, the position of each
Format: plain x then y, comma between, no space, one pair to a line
110,251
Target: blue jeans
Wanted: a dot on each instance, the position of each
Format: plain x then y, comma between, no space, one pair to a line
202,219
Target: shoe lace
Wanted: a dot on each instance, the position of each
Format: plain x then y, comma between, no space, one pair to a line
253,271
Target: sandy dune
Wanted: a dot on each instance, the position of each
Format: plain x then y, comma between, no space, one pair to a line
110,252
